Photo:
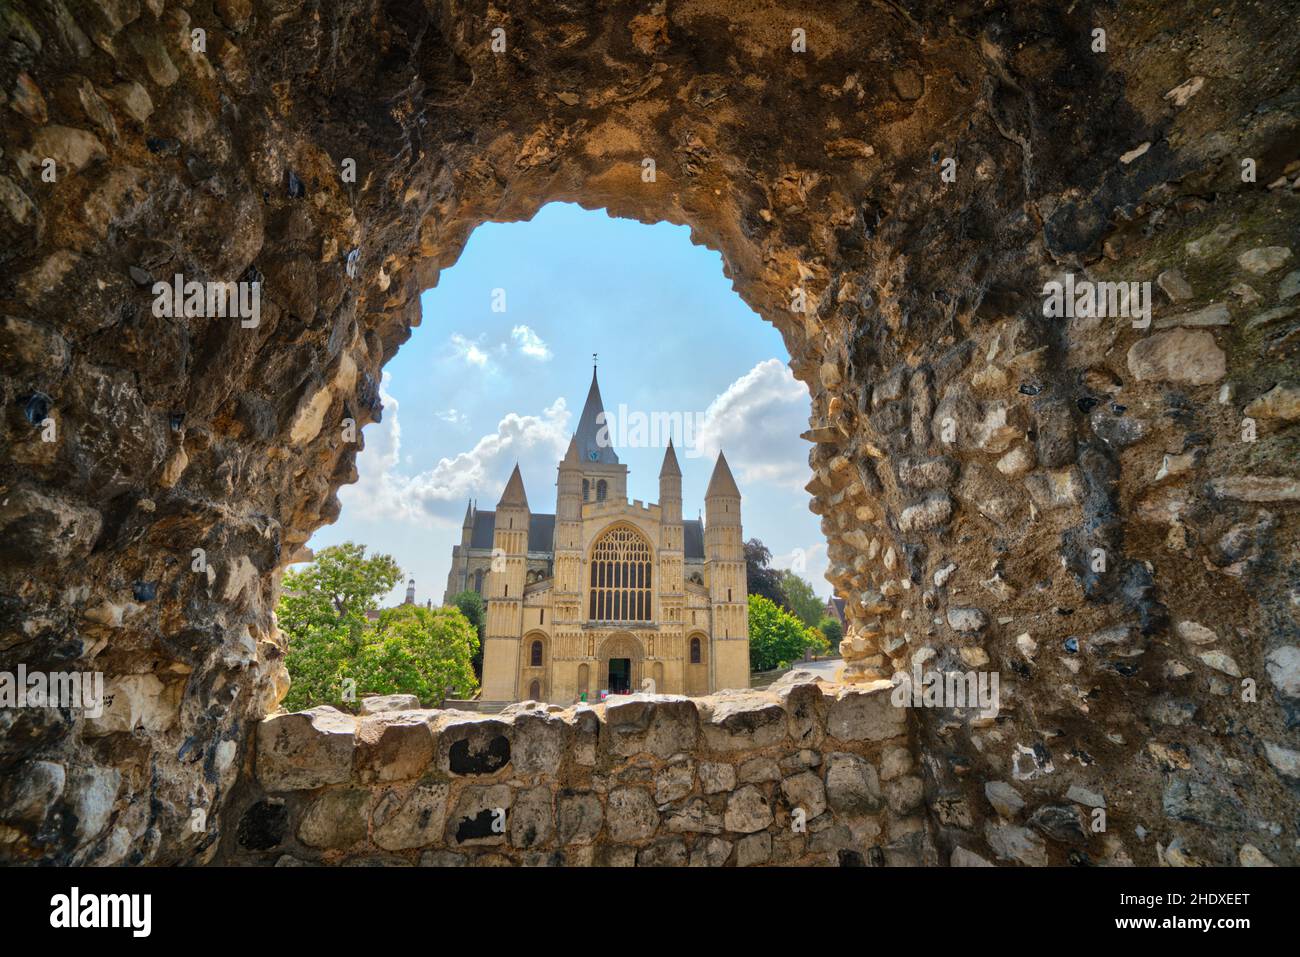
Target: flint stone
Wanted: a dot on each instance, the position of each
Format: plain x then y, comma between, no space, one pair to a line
804,704
27,795
472,746
91,794
1011,842
1263,259
1283,665
904,794
963,858
1187,800
1005,799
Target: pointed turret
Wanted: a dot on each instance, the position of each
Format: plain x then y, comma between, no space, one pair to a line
410,592
722,484
571,455
514,493
670,466
593,440
469,514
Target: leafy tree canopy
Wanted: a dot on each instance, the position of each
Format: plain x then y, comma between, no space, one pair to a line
801,600
832,629
337,655
471,605
776,637
763,580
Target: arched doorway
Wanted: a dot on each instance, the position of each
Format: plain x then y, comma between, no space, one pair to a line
697,663
620,663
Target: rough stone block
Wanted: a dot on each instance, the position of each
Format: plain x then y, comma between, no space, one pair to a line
532,819
852,784
662,725
580,817
393,746
538,743
337,819
480,816
747,811
865,713
805,791
304,750
411,817
470,746
631,814
743,722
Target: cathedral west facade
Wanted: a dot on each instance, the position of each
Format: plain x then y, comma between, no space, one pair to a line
607,594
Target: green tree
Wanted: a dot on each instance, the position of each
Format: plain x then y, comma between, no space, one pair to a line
833,630
762,580
421,651
818,643
471,606
776,637
801,600
322,611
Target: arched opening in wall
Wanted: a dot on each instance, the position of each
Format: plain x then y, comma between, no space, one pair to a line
647,388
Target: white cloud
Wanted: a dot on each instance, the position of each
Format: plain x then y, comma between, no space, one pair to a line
468,350
530,343
437,496
452,416
757,421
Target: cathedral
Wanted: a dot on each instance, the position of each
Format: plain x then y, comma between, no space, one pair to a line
607,595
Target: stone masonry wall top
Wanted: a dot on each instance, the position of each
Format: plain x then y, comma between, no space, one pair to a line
803,773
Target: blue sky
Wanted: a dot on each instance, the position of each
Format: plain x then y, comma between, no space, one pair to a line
478,388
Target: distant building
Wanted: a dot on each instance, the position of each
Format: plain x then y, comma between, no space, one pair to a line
835,609
374,613
605,593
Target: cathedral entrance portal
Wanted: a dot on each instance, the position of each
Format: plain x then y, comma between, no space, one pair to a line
620,663
620,675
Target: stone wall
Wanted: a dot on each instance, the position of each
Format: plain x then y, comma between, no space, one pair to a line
804,774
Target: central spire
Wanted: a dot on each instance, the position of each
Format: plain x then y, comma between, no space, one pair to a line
592,429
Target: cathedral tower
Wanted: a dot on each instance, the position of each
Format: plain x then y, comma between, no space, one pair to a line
505,592
724,551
